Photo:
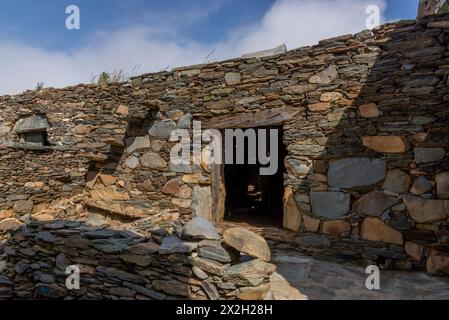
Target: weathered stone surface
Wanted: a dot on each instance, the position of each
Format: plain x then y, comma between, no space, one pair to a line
132,162
330,205
292,214
210,266
200,274
326,76
374,203
50,290
144,248
311,224
153,161
427,210
336,229
7,213
420,186
140,260
251,273
23,206
111,245
426,155
185,122
442,181
162,129
32,124
218,253
210,290
233,78
387,144
319,107
437,263
247,242
200,228
397,181
172,287
313,241
414,250
107,179
171,187
45,236
374,229
202,202
266,53
253,293
10,224
175,245
108,194
356,173
331,96
138,144
369,111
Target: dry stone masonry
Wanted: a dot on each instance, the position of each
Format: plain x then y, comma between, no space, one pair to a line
119,264
365,123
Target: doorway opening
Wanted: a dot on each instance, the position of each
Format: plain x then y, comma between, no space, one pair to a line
251,197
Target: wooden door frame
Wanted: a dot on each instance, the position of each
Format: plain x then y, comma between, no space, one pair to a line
265,118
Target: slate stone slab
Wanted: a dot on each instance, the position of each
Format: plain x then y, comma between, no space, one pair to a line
330,205
313,241
356,173
200,228
175,245
426,155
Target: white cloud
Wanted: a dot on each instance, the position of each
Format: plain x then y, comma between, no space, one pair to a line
294,22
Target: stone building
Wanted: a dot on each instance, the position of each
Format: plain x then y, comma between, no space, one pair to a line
364,124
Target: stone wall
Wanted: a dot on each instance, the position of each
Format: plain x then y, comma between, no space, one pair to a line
367,166
431,7
118,264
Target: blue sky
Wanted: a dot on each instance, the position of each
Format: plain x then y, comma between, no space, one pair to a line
155,34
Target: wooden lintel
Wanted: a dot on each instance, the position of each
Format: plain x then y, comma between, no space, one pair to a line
265,118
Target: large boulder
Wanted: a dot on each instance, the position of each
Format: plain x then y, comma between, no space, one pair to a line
427,210
330,205
247,242
199,229
356,173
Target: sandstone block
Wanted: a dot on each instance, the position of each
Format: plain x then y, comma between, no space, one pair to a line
247,242
374,229
387,144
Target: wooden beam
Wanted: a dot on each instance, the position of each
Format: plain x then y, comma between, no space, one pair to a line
264,118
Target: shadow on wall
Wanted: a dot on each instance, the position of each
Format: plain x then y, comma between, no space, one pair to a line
379,185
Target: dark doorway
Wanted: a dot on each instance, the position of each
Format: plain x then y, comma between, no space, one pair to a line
253,198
